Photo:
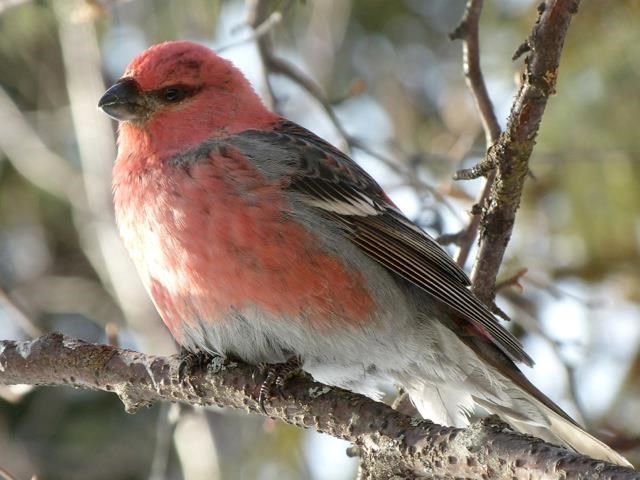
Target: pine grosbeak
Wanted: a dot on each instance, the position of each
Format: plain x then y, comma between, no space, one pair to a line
256,238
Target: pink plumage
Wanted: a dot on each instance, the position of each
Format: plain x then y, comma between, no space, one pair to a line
256,238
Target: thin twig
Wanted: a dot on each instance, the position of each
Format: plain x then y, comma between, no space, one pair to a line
398,169
283,67
558,292
258,32
529,323
165,426
6,475
511,153
467,31
96,148
513,281
15,312
6,5
30,156
112,332
258,15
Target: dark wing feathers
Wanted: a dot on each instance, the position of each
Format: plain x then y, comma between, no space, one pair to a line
332,182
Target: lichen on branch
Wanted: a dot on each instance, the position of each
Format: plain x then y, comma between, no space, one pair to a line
391,443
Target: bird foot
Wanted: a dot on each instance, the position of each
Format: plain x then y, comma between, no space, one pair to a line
191,362
277,375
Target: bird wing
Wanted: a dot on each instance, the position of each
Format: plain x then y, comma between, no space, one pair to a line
327,179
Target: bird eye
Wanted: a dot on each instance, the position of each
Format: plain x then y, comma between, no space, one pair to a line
173,94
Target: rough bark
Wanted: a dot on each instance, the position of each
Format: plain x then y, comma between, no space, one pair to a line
392,445
468,32
510,155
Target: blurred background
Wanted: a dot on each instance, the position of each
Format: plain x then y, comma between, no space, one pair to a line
395,82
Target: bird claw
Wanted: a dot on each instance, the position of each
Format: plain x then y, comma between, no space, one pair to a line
191,362
277,375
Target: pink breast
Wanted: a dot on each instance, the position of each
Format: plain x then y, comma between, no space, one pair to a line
215,237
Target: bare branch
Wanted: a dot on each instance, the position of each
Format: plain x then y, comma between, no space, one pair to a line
413,180
467,31
513,281
274,64
32,158
8,4
258,32
15,313
165,427
392,444
513,150
258,17
6,475
96,147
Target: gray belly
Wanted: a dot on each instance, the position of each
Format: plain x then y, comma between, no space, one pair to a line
393,345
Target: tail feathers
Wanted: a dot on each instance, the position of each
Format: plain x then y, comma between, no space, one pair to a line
557,430
442,404
579,440
501,388
452,406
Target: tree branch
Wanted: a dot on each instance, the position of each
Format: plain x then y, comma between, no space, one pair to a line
510,155
392,444
258,15
467,31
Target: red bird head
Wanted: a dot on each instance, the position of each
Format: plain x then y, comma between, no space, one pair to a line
177,94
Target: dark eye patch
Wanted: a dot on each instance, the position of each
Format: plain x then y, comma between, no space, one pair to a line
175,93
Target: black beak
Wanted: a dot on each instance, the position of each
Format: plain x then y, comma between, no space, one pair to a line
124,101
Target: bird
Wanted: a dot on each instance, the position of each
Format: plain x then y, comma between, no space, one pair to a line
258,240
